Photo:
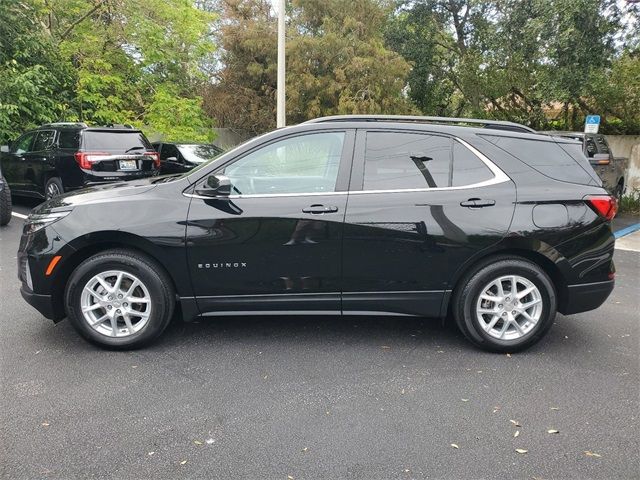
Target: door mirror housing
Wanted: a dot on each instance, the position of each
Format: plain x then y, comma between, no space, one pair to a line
172,159
600,159
215,186
4,149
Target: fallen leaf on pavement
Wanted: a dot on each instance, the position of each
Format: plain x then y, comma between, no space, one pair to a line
150,453
555,408
464,399
515,435
197,442
305,449
521,450
183,462
454,445
209,441
553,431
508,355
592,454
45,424
386,347
515,422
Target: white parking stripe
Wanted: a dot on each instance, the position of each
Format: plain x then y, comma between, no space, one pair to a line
629,242
19,215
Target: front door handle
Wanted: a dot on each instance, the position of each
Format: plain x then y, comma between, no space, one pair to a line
318,209
477,203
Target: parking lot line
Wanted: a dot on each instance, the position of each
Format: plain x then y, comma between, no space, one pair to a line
627,230
630,242
19,215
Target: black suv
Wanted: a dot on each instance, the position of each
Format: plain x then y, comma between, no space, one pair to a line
353,215
59,157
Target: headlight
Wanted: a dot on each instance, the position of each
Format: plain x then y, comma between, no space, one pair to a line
37,222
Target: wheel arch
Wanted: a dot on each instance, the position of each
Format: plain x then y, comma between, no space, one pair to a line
543,255
89,245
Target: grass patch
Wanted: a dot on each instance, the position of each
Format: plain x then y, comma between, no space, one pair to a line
630,203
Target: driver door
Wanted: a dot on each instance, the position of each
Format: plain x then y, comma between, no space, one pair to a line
275,243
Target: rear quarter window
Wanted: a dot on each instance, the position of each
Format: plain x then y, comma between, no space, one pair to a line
546,157
121,142
69,139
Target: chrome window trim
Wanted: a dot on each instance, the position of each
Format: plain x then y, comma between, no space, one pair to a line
498,177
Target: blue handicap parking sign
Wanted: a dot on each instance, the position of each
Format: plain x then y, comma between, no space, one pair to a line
593,120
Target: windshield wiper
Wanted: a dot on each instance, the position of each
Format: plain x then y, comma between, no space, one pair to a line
139,147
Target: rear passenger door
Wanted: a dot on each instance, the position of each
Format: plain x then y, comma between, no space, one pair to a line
420,205
37,161
13,164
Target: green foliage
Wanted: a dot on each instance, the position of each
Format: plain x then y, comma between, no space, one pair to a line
337,63
630,203
36,83
546,63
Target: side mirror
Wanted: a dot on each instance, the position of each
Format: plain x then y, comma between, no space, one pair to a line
215,186
600,159
172,159
4,149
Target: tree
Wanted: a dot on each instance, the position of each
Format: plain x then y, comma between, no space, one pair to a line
36,83
131,56
337,63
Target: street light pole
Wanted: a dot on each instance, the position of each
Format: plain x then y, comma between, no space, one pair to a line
281,114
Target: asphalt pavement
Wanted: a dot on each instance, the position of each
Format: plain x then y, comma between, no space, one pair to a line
320,397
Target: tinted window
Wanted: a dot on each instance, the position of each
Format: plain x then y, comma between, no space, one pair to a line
168,151
467,167
590,146
23,144
406,160
199,153
44,140
105,141
69,139
302,164
546,157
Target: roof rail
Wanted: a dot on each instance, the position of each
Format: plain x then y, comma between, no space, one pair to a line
483,123
118,125
65,124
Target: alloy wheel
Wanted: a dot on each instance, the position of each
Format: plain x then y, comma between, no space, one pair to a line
509,307
115,303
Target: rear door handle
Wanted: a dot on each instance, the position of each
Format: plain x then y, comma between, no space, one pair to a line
317,209
478,203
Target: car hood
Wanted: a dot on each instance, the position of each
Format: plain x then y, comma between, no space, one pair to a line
111,191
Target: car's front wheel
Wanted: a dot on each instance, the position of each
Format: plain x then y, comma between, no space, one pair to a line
119,299
505,305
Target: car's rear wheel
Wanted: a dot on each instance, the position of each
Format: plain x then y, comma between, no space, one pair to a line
53,188
119,299
505,305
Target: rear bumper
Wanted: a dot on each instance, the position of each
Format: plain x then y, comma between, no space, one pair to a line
585,297
42,303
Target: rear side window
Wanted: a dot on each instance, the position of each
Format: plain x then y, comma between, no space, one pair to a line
546,157
44,140
396,160
69,139
602,145
121,142
467,167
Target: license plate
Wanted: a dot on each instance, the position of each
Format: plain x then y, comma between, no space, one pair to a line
128,165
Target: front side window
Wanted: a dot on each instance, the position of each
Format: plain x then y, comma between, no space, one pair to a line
396,160
44,140
302,164
23,144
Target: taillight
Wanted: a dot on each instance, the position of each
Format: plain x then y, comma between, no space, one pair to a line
155,156
85,159
604,205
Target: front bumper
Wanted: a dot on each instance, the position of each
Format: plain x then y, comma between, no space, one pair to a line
585,297
42,303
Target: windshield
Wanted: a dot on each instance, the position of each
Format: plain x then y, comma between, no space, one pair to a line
115,141
199,153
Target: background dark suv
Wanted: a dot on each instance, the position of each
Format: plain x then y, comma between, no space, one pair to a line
59,157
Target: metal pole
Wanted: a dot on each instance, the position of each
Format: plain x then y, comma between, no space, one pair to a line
281,113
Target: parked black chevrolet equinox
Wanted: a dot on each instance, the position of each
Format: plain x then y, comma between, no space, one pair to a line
489,224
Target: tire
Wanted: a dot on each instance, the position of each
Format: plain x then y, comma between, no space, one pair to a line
477,327
53,188
147,320
5,204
